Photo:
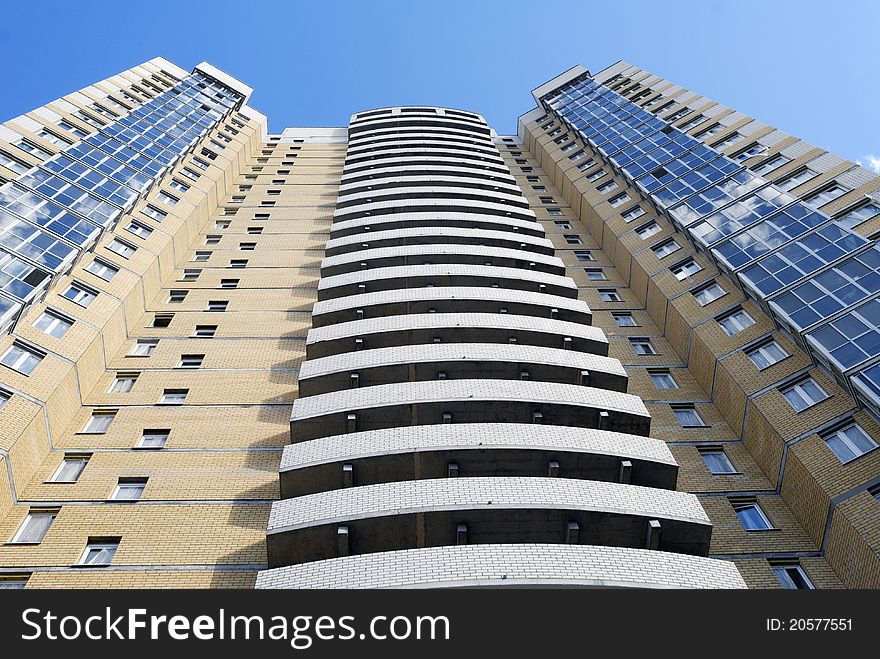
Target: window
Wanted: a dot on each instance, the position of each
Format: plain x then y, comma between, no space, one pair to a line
609,295
850,442
247,247
20,358
547,200
632,213
595,274
648,230
99,422
267,203
825,196
99,551
180,186
154,439
144,348
766,354
162,319
191,361
4,397
563,224
238,263
854,216
205,331
13,581
619,200
222,224
751,515
572,239
191,174
554,211
663,379
202,256
595,176
167,199
217,305
102,269
574,157
229,283
642,346
13,163
685,270
122,383
584,255
153,212
173,396
255,231
70,469
80,294
687,416
666,248
569,147
773,162
139,230
725,142
212,239
191,274
750,151
735,322
716,460
539,188
177,296
34,527
606,187
794,180
706,133
624,320
792,576
804,394
122,248
532,179
129,489
709,294
53,324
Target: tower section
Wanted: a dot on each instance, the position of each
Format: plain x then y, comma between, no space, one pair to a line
459,421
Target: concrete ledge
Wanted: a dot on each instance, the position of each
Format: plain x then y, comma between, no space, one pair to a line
476,449
467,401
407,514
506,566
422,328
449,299
458,361
447,228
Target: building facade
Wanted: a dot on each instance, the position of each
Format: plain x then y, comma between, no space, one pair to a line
633,345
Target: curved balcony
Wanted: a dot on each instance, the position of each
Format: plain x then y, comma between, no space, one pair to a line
420,329
509,566
474,449
431,512
464,227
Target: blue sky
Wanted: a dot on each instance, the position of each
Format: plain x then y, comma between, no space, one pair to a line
805,66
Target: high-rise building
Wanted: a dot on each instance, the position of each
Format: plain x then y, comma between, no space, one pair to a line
635,344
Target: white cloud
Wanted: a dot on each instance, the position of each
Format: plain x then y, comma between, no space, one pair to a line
870,161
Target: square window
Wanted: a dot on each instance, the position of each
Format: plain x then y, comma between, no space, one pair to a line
129,489
99,551
736,322
70,469
53,324
123,383
850,442
624,320
766,354
99,422
154,439
751,515
663,379
144,347
162,320
35,526
792,576
572,239
21,358
173,396
609,295
642,346
804,394
191,361
716,460
708,294
687,416
595,274
685,270
584,255
80,294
